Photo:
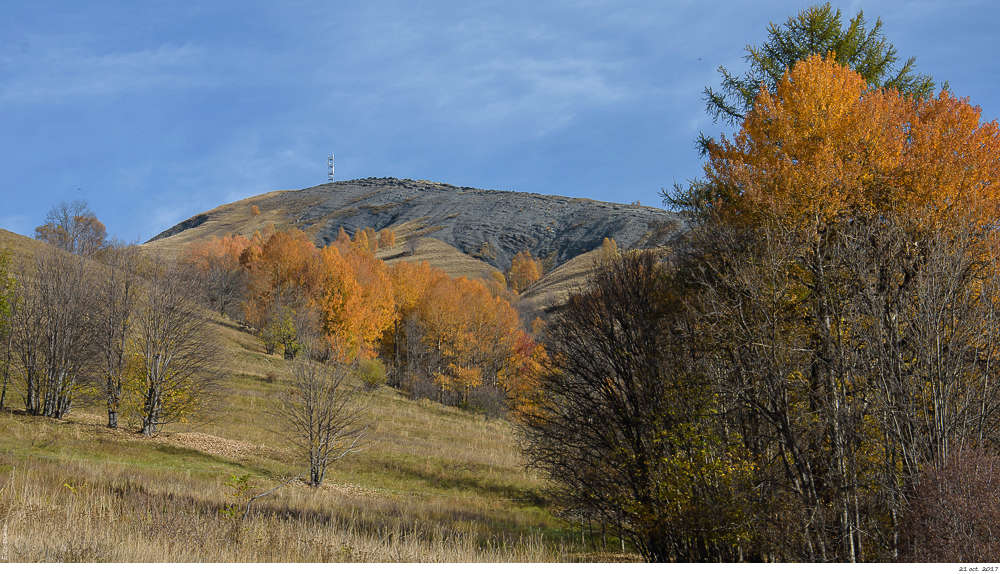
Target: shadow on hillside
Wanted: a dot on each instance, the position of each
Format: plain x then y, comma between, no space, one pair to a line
513,493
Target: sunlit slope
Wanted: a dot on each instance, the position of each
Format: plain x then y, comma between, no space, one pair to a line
434,483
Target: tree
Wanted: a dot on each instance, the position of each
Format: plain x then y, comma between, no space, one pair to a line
826,144
848,297
284,276
608,251
525,269
53,331
6,327
116,294
386,238
955,510
175,350
625,425
73,227
356,303
817,30
322,415
222,277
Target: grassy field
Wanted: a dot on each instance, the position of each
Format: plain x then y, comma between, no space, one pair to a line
434,483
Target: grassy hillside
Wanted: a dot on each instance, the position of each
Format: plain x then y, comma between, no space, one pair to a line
435,483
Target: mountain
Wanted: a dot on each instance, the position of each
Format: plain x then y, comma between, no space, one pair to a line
489,225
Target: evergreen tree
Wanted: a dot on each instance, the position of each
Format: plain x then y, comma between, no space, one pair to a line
819,30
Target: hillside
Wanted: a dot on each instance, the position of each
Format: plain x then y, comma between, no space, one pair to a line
490,226
435,483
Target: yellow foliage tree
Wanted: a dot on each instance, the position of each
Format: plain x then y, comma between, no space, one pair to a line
525,269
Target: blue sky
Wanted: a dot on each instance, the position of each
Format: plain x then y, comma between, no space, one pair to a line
154,113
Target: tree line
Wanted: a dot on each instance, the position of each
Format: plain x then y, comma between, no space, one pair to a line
87,320
810,374
455,340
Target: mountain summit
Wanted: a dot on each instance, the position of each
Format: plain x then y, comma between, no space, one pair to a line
489,225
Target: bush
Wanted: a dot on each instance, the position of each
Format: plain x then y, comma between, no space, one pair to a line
372,373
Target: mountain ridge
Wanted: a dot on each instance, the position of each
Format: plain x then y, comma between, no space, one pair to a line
489,225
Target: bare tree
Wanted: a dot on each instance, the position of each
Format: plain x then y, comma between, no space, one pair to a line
116,294
6,321
322,414
73,227
176,350
953,514
850,357
623,423
52,331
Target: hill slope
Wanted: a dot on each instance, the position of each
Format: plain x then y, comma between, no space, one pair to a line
434,483
491,226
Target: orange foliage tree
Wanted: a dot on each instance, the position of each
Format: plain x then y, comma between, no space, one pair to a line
386,238
452,334
285,275
455,335
525,269
825,145
846,252
356,304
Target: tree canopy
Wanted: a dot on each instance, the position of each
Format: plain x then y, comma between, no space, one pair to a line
818,29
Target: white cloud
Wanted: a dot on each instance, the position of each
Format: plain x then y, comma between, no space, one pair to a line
63,67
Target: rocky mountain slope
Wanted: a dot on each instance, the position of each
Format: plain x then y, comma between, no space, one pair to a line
491,226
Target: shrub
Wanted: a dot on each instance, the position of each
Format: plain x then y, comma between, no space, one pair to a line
371,372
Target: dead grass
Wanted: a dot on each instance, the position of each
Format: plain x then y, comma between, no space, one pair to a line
555,288
440,255
434,484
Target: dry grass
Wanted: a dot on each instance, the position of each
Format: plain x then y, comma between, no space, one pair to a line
83,511
440,255
555,287
434,484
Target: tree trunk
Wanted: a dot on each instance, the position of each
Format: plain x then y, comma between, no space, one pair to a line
6,370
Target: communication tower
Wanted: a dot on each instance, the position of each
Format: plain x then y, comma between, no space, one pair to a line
329,164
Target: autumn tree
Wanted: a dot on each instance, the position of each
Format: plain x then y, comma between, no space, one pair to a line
356,301
624,421
73,227
452,339
221,276
175,350
284,276
525,269
849,300
608,251
322,415
386,238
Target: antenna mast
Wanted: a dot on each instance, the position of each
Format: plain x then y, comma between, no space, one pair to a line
329,163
